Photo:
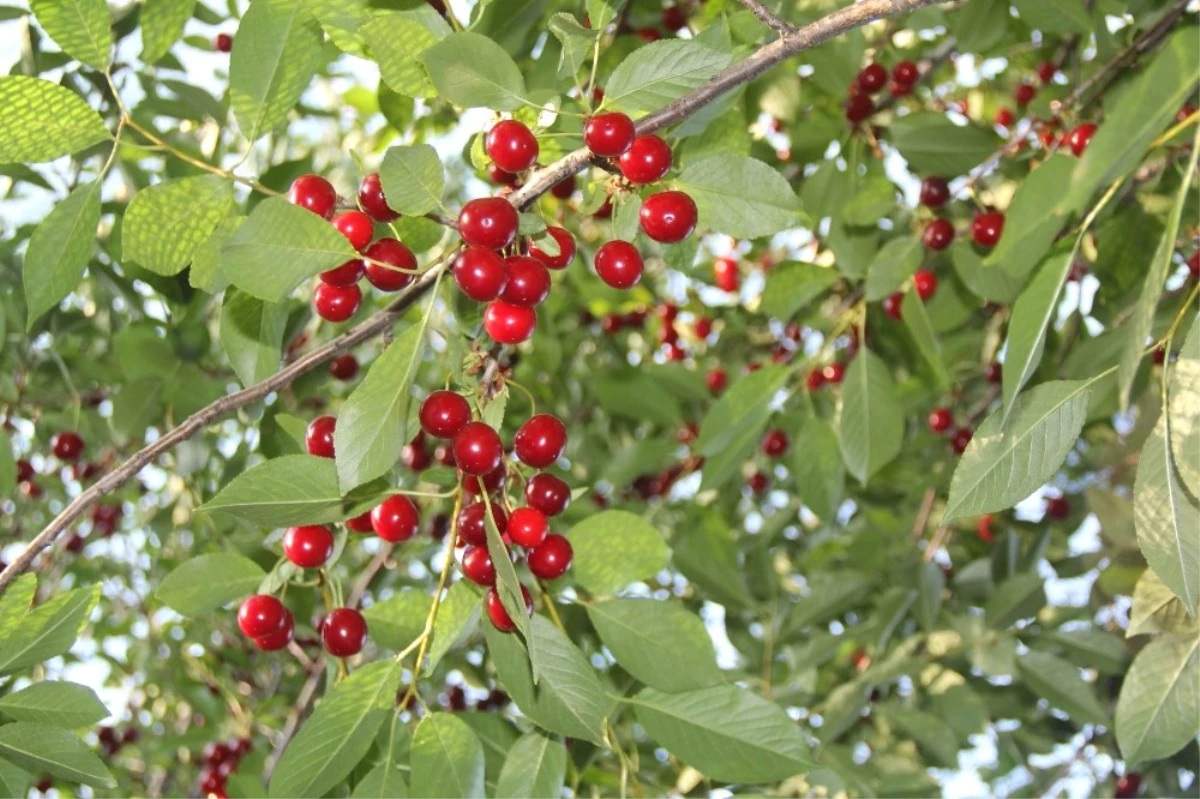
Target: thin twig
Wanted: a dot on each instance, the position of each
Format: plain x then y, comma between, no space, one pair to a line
767,18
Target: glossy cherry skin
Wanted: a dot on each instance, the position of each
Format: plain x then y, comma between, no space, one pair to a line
415,454
472,522
1024,94
344,632
344,367
986,228
509,324
775,443
934,192
444,413
336,303
67,446
939,234
872,78
477,566
540,441
25,471
273,642
858,108
318,436
725,274
347,274
395,519
528,281
372,201
223,43
361,523
619,264
566,249
834,373
892,304
489,222
547,493
961,438
926,283
668,216
905,73
1080,137
308,546
716,380
527,527
647,160
480,273
314,193
393,253
261,614
550,559
477,448
609,135
497,613
356,226
1005,118
489,483
940,420
511,146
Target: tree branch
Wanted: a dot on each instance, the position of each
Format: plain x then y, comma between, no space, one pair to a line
767,18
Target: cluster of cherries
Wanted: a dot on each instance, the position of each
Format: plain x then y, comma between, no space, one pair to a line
871,80
986,227
220,760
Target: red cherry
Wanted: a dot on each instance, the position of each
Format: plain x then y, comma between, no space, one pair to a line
480,273
1045,71
1193,264
716,380
444,413
502,178
343,367
986,228
512,146
345,275
899,89
472,522
858,108
314,193
273,642
318,436
391,252
925,282
1079,138
566,249
415,454
477,566
872,78
1058,507
564,188
814,380
356,226
489,222
395,519
261,614
668,216
612,323
725,274
646,161
308,546
674,17
609,135
934,192
905,73
649,35
336,303
344,632
1128,786
940,420
499,616
477,448
833,373
527,527
550,559
605,211
892,304
223,43
528,281
758,482
993,372
961,438
540,441
1005,118
371,199
509,324
67,446
361,523
775,443
983,529
938,234
702,327
1024,94
619,264
489,483
547,493
24,471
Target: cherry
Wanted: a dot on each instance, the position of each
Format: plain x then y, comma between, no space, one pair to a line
605,211
619,264
512,146
1128,786
609,135
472,522
858,108
940,420
497,613
345,275
372,201
993,372
415,455
391,252
67,446
480,273
361,523
566,249
833,373
528,281
318,436
668,216
814,380
550,559
564,188
649,35
395,519
934,192
983,529
987,227
212,783
1080,137
1058,507
509,324
314,193
938,234
527,527
1193,264
872,78
1045,71
702,327
223,43
1024,94
540,441
725,274
502,178
899,89
336,303
24,471
261,614
344,632
674,17
444,413
32,490
1005,118
961,438
343,367
612,323
775,443
308,546
477,566
547,493
489,222
758,482
479,485
925,282
716,380
905,73
477,448
646,161
356,226
892,304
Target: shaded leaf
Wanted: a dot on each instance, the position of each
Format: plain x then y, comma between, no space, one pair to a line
207,582
165,223
1159,704
275,54
660,643
60,249
447,759
613,549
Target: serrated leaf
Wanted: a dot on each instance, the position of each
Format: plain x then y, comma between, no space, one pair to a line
398,41
385,781
1016,598
1159,704
1156,609
275,55
342,20
251,333
916,319
870,419
1031,318
165,223
207,582
50,630
660,643
1059,683
535,768
447,759
472,71
653,76
456,621
206,273
43,749
398,620
59,250
43,121
15,602
816,461
992,283
1036,215
14,781
1183,410
895,263
792,285
934,145
613,549
79,27
740,196
59,704
162,25
577,41
413,179
508,585
1167,523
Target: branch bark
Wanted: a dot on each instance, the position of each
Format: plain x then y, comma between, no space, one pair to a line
767,18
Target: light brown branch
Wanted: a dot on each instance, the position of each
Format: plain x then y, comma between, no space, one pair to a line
767,18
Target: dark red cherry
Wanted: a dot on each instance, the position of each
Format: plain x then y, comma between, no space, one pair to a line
609,135
1080,137
318,436
67,446
547,493
344,632
566,249
858,108
345,275
497,613
372,201
619,264
934,192
926,283
540,441
444,413
872,78
986,228
480,273
550,559
512,146
940,420
939,234
647,160
477,566
489,222
261,614
344,367
905,73
314,193
668,216
477,448
395,519
472,522
528,281
273,642
391,252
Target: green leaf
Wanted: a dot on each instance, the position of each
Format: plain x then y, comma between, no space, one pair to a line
706,554
816,461
290,490
1018,597
1055,16
658,642
992,283
1183,409
916,319
79,27
342,19
1167,523
447,759
60,704
456,621
895,263
279,246
652,76
398,41
828,596
1059,683
931,584
534,769
42,749
1031,318
16,601
43,121
870,419
162,25
49,631
1159,704
251,333
725,732
792,285
385,781
14,782
934,145
979,25
8,465
372,426
740,196
164,224
569,698
60,249
577,41
930,733
413,179
206,273
1036,215
338,734
398,620
207,582
634,394
508,586
275,55
1004,464
740,407
1093,648
613,549
1156,609
472,71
